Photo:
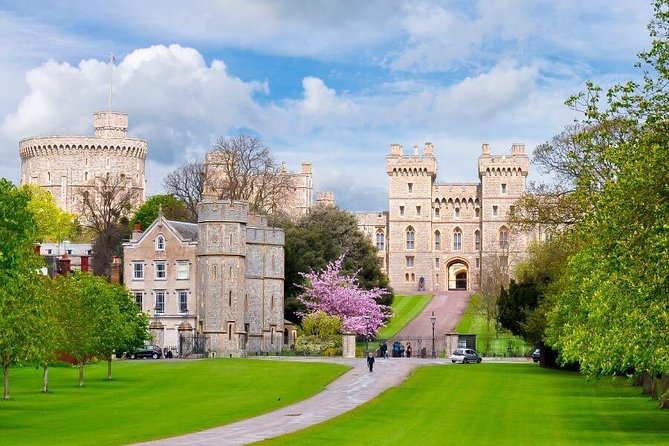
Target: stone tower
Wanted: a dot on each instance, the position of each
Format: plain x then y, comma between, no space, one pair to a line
240,279
67,166
411,178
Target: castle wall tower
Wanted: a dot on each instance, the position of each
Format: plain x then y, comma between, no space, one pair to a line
411,178
67,166
503,181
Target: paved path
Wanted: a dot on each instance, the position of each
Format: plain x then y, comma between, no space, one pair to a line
350,390
448,307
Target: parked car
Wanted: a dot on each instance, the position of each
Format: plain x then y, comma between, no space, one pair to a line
148,351
536,355
465,355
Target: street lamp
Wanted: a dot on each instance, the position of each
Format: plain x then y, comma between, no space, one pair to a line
433,319
367,319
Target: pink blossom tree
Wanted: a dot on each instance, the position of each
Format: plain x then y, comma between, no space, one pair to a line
339,295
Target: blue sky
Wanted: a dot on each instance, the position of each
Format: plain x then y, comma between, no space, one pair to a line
331,82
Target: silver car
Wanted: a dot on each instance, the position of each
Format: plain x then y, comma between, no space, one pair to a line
465,356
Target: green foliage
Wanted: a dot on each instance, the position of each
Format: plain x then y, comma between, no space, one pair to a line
506,404
173,209
320,334
116,412
320,237
53,224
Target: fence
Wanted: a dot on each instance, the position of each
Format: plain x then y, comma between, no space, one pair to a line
193,345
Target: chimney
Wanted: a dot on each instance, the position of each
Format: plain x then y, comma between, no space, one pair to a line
85,267
64,264
429,149
306,167
37,249
396,149
485,149
518,149
116,270
415,150
137,232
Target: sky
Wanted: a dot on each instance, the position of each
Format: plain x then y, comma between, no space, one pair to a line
330,82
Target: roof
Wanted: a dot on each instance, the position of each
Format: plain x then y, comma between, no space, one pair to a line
187,231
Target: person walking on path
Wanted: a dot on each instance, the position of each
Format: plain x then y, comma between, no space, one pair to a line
408,349
370,362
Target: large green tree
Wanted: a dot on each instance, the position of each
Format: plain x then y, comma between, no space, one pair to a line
320,237
20,303
53,224
172,208
611,308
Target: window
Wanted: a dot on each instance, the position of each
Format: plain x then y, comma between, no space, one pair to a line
137,271
436,212
410,187
437,240
161,271
409,261
183,301
417,211
139,297
401,211
503,238
478,212
457,240
478,263
230,298
436,263
477,241
457,213
160,243
410,238
160,302
380,240
182,270
503,188
494,211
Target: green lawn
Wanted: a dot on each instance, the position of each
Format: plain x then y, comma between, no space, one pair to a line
496,404
151,399
490,344
405,308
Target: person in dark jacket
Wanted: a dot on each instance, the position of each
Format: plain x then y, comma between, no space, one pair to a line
370,362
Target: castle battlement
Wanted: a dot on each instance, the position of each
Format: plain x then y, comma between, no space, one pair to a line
416,164
223,211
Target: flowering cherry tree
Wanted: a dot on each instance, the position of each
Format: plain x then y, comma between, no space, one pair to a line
339,295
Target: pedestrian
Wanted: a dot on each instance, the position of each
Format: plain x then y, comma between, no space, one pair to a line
408,349
370,362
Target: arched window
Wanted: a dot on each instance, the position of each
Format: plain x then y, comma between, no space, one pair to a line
457,240
478,212
503,238
457,213
410,238
477,241
437,240
160,243
380,240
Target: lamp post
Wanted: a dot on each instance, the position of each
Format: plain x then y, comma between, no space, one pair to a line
433,319
367,319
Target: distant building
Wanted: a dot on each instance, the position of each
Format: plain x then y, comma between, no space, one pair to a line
440,236
221,278
65,257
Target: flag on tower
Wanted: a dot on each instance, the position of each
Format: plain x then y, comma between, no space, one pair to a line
113,58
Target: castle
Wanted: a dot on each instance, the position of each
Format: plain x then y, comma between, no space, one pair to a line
68,166
221,278
440,236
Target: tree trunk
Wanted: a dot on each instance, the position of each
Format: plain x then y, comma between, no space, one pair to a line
45,378
664,392
5,373
645,383
81,374
109,367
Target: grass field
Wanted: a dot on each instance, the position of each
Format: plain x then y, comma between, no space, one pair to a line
405,308
496,404
490,344
150,399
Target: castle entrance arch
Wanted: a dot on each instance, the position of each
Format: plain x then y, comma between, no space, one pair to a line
458,272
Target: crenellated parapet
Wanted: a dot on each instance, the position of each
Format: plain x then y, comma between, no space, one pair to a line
398,164
516,164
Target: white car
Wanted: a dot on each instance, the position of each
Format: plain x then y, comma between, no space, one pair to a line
465,356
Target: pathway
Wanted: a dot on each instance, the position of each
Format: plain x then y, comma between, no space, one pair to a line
448,307
350,390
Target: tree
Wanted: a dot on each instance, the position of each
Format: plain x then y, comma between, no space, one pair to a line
494,278
186,183
20,303
243,168
172,208
53,224
320,237
339,295
320,333
107,206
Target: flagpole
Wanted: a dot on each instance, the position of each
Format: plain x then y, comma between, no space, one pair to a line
111,78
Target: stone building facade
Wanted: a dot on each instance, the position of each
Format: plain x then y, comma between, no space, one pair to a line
221,278
439,236
67,166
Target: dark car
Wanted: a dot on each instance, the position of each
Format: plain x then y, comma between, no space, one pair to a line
148,351
536,355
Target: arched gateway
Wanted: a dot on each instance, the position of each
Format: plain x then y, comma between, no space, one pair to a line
457,274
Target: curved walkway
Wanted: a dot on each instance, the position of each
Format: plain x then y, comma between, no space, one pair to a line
350,390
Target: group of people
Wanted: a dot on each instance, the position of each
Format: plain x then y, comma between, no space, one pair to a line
399,351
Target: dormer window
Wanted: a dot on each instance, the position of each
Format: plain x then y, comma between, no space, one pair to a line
160,243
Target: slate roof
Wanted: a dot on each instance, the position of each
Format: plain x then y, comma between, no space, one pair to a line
187,231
